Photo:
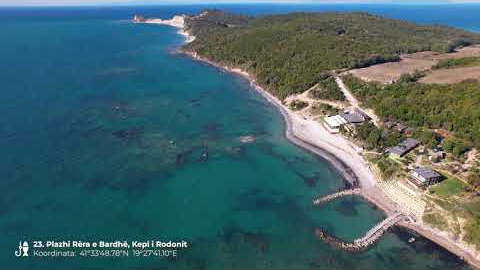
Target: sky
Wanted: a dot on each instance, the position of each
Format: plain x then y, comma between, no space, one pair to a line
144,2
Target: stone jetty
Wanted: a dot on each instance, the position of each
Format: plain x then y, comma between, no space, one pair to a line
365,241
346,192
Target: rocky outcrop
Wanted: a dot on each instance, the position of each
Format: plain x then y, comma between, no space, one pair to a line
138,19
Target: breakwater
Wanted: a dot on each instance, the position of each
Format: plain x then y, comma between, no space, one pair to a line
372,236
346,192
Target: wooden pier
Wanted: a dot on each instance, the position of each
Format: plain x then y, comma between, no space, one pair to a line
327,198
365,241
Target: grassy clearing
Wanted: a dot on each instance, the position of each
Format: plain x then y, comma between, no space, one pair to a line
465,208
460,62
436,220
448,188
472,226
472,231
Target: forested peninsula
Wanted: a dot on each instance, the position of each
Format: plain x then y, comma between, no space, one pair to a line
289,53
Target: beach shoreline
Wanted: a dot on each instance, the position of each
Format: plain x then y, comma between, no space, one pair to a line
294,123
328,151
338,151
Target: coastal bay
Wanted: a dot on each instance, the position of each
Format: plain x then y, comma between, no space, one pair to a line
338,151
112,148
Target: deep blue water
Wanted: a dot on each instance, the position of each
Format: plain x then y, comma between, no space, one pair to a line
103,131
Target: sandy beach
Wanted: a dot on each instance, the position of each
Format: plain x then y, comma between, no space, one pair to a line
338,151
312,136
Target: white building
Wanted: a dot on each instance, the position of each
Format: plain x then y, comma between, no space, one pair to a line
351,116
333,123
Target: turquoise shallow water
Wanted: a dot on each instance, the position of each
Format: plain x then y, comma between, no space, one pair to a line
103,133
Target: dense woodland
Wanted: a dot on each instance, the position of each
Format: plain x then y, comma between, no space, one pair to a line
288,53
291,53
455,108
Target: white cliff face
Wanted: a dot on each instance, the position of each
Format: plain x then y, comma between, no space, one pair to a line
177,21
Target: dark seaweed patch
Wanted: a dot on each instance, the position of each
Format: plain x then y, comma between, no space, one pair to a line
398,256
180,158
424,245
91,131
257,240
122,110
213,128
194,154
239,151
233,237
310,181
257,200
212,132
194,102
127,135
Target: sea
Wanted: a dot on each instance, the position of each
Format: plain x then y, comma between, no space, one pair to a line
107,133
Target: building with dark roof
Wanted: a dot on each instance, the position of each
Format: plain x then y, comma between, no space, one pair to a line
400,128
403,148
354,116
348,116
423,177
